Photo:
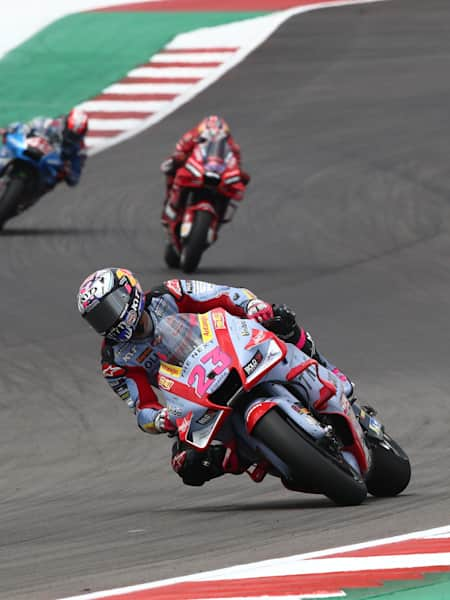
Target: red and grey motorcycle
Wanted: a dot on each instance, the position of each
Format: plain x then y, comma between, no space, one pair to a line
230,380
210,184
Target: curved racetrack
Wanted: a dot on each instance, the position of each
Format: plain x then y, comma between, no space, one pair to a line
343,118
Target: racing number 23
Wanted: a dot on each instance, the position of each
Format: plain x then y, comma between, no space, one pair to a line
198,377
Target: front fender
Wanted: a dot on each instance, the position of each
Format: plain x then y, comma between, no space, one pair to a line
189,216
294,410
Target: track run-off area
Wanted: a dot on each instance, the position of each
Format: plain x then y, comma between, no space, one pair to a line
342,118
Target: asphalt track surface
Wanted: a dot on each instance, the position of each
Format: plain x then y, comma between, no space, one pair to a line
343,118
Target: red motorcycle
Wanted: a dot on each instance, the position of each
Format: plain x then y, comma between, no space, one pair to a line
210,182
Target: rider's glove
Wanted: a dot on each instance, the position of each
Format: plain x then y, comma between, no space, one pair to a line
259,310
245,177
168,166
283,323
163,424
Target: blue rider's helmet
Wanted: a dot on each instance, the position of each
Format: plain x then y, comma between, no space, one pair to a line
112,302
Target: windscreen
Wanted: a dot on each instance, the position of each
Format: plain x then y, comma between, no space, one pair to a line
176,337
215,152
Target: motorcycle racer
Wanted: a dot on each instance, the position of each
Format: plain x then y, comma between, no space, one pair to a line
66,133
112,301
209,129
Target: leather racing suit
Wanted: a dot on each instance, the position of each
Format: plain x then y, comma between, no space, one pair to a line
174,201
131,367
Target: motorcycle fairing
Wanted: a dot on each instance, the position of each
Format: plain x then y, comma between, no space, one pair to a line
272,349
206,366
339,405
35,151
289,406
201,437
333,401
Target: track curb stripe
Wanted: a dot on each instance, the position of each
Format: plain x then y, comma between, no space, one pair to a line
196,59
324,574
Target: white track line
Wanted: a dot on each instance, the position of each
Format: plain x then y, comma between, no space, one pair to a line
247,35
269,566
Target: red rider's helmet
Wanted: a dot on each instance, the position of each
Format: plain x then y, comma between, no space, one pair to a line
213,127
75,125
112,302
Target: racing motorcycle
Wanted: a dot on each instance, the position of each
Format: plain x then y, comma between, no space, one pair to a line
29,166
231,380
211,184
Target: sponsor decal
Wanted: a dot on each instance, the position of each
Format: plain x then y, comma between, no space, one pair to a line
131,317
169,369
206,417
129,355
173,285
165,383
113,371
300,408
258,336
219,320
253,363
144,354
243,329
200,287
185,423
125,274
148,427
205,328
174,410
248,293
121,390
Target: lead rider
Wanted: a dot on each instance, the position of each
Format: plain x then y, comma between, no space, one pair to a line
111,300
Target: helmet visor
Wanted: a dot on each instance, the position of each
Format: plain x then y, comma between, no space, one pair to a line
106,315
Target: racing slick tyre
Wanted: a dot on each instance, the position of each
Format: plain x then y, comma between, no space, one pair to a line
195,244
391,470
306,460
10,199
171,256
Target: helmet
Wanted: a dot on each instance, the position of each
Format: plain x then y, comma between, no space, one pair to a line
213,127
112,302
75,125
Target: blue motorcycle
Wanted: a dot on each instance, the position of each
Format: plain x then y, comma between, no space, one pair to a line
30,166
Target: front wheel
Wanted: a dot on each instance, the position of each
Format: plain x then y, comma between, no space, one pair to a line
306,461
196,243
391,470
10,199
171,256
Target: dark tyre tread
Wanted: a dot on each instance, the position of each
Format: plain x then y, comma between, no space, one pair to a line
196,243
171,256
10,199
305,459
391,470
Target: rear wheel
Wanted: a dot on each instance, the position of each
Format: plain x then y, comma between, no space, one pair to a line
10,199
196,243
391,469
306,461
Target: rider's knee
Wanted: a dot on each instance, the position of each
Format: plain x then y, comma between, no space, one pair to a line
195,467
